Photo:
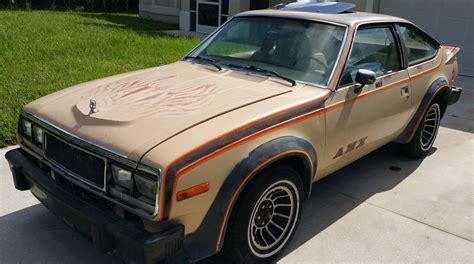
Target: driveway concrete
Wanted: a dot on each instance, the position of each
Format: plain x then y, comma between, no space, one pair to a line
382,208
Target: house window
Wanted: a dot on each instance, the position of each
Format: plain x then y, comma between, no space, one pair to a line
259,4
192,9
208,15
224,11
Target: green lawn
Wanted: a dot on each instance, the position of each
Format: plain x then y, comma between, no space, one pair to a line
42,52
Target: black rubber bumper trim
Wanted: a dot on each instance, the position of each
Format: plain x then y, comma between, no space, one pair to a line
454,95
107,231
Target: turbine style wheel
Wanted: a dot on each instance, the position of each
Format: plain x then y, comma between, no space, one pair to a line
273,218
426,133
430,127
265,217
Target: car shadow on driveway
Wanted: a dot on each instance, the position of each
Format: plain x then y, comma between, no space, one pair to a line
35,235
338,194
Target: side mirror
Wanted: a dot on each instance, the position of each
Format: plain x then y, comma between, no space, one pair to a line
364,77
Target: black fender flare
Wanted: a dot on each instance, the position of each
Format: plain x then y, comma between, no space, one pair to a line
209,236
438,86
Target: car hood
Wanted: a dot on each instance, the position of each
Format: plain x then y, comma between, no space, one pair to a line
131,113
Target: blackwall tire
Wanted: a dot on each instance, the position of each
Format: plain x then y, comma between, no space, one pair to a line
265,217
426,133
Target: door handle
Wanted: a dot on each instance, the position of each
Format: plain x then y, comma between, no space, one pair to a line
405,92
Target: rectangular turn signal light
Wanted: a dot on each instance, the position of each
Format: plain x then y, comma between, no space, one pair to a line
193,191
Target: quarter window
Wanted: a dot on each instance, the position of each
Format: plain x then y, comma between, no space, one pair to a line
373,49
419,47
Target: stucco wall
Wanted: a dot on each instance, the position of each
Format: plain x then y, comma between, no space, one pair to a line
184,5
160,10
366,5
167,3
170,11
236,6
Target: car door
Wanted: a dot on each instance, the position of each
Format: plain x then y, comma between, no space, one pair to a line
358,122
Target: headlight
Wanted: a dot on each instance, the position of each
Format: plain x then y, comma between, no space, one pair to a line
38,134
122,177
26,128
146,185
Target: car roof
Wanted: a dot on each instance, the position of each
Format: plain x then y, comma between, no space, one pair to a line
345,18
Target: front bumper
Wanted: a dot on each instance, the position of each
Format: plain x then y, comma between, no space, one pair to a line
108,232
454,95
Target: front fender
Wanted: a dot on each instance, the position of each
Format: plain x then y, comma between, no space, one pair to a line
209,237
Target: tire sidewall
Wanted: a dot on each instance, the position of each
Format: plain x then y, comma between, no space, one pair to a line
238,236
296,196
416,148
438,110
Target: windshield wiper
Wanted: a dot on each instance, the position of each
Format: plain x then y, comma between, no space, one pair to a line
206,60
264,71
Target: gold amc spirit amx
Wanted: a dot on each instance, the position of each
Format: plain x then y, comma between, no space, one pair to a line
218,152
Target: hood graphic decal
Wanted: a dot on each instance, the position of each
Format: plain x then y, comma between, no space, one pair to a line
129,99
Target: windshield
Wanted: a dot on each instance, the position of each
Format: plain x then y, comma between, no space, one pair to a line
300,50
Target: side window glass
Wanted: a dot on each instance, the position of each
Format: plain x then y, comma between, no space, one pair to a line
373,49
418,46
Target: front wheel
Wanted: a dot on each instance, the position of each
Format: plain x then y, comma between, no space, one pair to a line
265,217
426,133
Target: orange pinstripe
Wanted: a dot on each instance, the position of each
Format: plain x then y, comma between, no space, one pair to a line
246,179
272,128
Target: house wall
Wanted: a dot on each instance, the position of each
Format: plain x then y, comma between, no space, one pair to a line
450,21
161,10
177,11
184,5
366,5
236,6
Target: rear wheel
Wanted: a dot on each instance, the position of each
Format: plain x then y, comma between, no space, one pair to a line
265,217
426,133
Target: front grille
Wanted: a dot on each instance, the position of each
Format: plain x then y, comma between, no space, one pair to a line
81,164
